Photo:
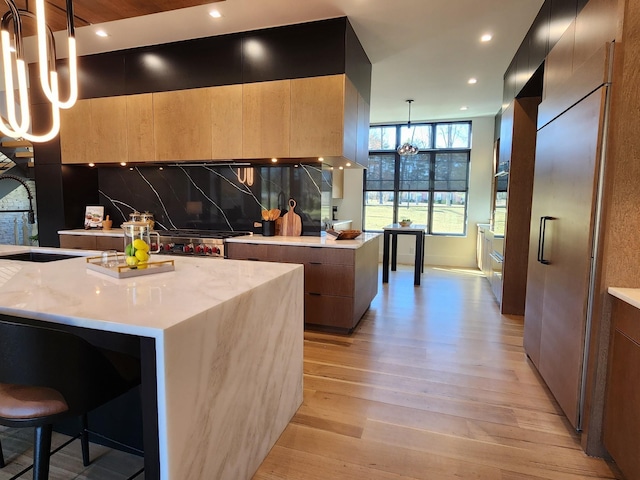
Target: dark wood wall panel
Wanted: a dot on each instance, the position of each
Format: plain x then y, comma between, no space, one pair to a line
549,25
296,51
358,65
191,64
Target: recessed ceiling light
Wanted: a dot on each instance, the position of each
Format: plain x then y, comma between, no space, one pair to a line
486,37
348,164
320,159
92,164
124,164
101,33
274,160
464,108
472,81
161,168
341,168
215,14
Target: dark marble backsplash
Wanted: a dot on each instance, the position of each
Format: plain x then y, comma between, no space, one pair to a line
214,197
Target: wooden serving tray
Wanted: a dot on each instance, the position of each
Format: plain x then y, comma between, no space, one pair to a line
344,234
125,271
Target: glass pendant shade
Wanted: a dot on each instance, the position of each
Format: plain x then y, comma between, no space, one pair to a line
407,148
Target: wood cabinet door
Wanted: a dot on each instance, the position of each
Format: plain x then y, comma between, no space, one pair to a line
226,122
536,271
182,124
573,146
266,119
75,133
109,129
109,243
362,132
79,242
621,424
329,279
140,134
317,116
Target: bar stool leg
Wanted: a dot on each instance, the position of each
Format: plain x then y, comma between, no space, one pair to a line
42,451
84,441
2,464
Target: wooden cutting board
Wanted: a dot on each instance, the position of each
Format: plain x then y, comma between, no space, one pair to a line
291,221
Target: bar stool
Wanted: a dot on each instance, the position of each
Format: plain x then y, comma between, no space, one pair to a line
47,375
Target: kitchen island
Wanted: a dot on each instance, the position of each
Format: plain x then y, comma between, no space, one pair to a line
221,350
340,276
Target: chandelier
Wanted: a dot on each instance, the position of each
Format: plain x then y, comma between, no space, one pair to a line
15,67
408,148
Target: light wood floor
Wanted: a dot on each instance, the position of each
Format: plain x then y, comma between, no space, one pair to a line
434,384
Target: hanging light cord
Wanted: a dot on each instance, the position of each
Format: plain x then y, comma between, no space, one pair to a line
408,148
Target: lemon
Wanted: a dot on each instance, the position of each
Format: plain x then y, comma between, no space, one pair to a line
142,265
132,261
141,255
140,244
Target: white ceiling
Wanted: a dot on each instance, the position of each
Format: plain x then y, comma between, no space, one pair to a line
420,49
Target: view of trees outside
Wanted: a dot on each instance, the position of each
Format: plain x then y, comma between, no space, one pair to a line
429,188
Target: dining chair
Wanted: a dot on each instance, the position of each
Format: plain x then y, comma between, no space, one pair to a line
47,375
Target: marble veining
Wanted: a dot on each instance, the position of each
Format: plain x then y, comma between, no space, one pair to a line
213,197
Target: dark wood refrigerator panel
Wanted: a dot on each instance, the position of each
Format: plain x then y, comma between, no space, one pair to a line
536,271
564,199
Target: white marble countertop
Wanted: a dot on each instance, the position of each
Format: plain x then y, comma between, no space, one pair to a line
114,232
629,295
307,241
67,292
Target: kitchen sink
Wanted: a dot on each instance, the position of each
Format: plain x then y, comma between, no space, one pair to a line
36,257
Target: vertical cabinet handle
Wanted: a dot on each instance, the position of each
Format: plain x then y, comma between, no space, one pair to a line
541,238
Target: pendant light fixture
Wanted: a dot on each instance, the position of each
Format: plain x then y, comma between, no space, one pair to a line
15,66
408,148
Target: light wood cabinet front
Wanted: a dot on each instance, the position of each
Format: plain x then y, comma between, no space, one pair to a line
182,124
109,129
140,134
94,131
317,116
226,122
266,119
75,133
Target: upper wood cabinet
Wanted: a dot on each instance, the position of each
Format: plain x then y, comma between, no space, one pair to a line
75,133
266,119
140,131
362,141
226,122
94,131
325,116
182,124
301,118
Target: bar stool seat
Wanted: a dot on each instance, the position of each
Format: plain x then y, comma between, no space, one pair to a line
27,402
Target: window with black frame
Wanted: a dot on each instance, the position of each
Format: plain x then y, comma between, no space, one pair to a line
429,187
